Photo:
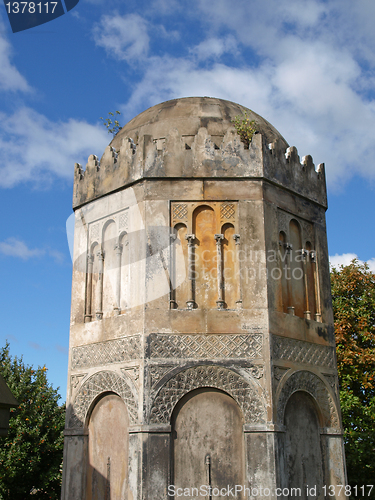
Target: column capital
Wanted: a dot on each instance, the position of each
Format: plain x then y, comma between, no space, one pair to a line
190,238
237,238
118,248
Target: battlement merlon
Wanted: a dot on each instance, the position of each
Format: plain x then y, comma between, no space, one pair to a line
202,156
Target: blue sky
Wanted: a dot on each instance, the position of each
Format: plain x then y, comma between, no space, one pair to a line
307,66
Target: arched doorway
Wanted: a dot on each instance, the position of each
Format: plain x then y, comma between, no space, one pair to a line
108,450
208,448
303,455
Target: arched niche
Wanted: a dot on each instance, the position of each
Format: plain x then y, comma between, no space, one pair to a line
208,441
108,449
122,249
92,282
297,298
283,300
310,280
179,274
110,267
205,269
303,460
229,267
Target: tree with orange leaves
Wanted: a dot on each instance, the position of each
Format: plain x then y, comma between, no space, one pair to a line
353,297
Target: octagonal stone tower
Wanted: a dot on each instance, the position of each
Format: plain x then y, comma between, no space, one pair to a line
202,349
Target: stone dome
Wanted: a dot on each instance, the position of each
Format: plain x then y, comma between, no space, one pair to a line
188,115
194,138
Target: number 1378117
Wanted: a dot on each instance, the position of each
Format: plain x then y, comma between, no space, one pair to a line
31,7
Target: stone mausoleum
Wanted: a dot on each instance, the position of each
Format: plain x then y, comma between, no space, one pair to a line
202,350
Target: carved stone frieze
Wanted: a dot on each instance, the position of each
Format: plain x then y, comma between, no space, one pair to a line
133,373
97,384
311,383
123,221
333,382
157,372
179,212
307,232
104,353
164,346
278,372
299,351
94,231
244,393
75,380
256,371
227,211
283,220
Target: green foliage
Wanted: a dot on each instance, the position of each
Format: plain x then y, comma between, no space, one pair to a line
353,293
31,454
245,127
113,126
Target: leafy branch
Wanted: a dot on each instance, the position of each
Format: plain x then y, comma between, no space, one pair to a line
113,126
245,127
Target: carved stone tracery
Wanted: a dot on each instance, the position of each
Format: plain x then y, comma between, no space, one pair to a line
302,352
206,346
311,383
245,394
103,353
97,384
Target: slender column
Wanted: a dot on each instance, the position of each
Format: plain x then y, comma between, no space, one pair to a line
219,262
236,238
288,250
318,314
99,302
307,312
172,272
90,263
118,250
191,271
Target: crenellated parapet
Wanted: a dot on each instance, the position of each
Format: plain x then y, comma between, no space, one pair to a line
203,155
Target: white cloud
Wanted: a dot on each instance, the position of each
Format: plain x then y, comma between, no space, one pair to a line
124,37
13,247
215,48
10,78
308,79
37,149
346,258
16,248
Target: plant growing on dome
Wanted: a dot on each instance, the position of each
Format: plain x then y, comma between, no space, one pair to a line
245,127
113,126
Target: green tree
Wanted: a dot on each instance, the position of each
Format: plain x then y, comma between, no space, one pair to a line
31,454
353,293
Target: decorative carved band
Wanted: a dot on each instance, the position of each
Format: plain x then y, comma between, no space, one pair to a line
227,211
179,212
104,353
311,383
244,393
99,383
303,352
206,346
